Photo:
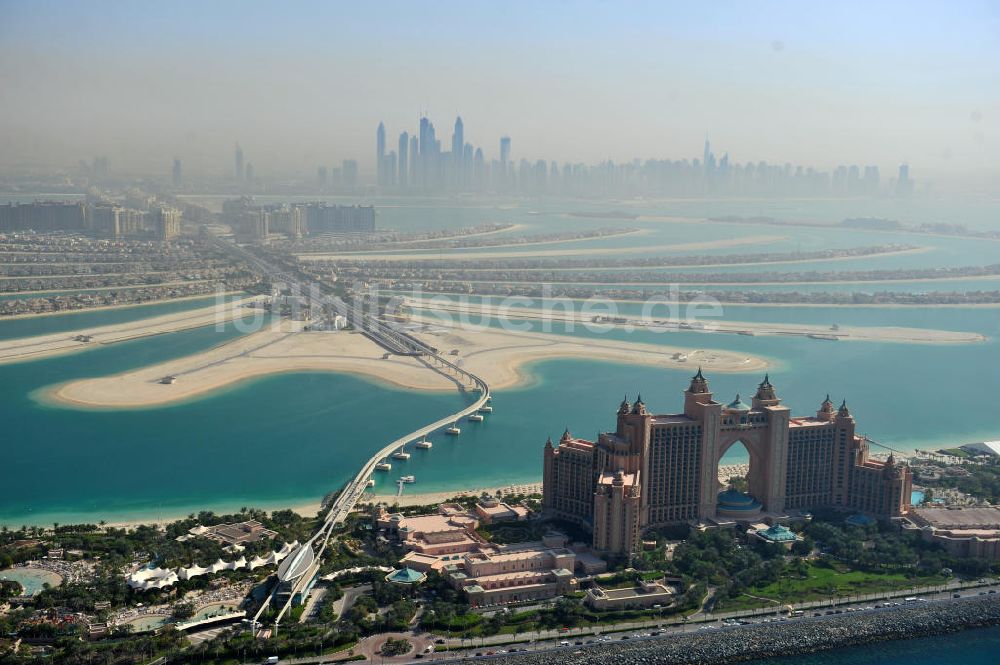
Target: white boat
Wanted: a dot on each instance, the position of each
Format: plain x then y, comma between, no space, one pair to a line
423,444
453,430
371,482
408,479
383,466
401,454
486,409
476,418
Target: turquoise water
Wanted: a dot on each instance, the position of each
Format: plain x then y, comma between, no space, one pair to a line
291,438
54,323
916,497
145,624
970,647
32,580
275,441
908,286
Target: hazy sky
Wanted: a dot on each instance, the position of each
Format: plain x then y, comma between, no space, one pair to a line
299,84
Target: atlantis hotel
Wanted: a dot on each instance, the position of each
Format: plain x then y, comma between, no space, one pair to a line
657,470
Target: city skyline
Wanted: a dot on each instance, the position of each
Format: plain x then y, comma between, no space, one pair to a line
783,84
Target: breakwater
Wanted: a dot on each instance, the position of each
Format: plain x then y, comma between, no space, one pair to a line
795,637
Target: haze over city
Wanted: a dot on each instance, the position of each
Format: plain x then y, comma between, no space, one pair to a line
574,82
511,333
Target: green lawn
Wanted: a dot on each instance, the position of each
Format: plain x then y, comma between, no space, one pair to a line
823,581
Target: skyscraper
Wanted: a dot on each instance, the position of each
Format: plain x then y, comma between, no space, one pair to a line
350,171
240,172
321,177
414,156
380,155
167,222
177,176
429,155
505,151
404,147
458,141
904,186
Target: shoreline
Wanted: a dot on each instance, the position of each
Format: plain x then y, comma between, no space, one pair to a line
361,252
748,285
35,347
681,267
724,303
890,334
428,498
439,255
104,308
502,357
793,638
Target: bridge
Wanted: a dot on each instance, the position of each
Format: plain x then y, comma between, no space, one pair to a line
298,571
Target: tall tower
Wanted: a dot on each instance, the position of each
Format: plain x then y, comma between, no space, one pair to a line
458,149
380,155
414,156
404,147
505,151
178,178
240,172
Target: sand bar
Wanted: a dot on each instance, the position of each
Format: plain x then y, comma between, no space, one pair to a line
678,267
41,346
465,255
498,356
660,323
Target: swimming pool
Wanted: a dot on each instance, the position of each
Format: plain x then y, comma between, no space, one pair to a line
144,624
32,580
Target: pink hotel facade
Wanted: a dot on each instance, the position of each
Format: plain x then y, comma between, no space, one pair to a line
657,470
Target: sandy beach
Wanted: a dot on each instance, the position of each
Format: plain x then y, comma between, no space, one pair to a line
465,255
783,305
41,346
477,312
683,267
498,356
534,243
130,305
427,498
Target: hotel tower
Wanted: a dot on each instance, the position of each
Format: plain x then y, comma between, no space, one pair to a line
656,470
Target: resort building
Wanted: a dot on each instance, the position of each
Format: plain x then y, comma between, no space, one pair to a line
450,531
776,534
968,531
638,597
489,509
490,574
238,533
657,470
501,574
